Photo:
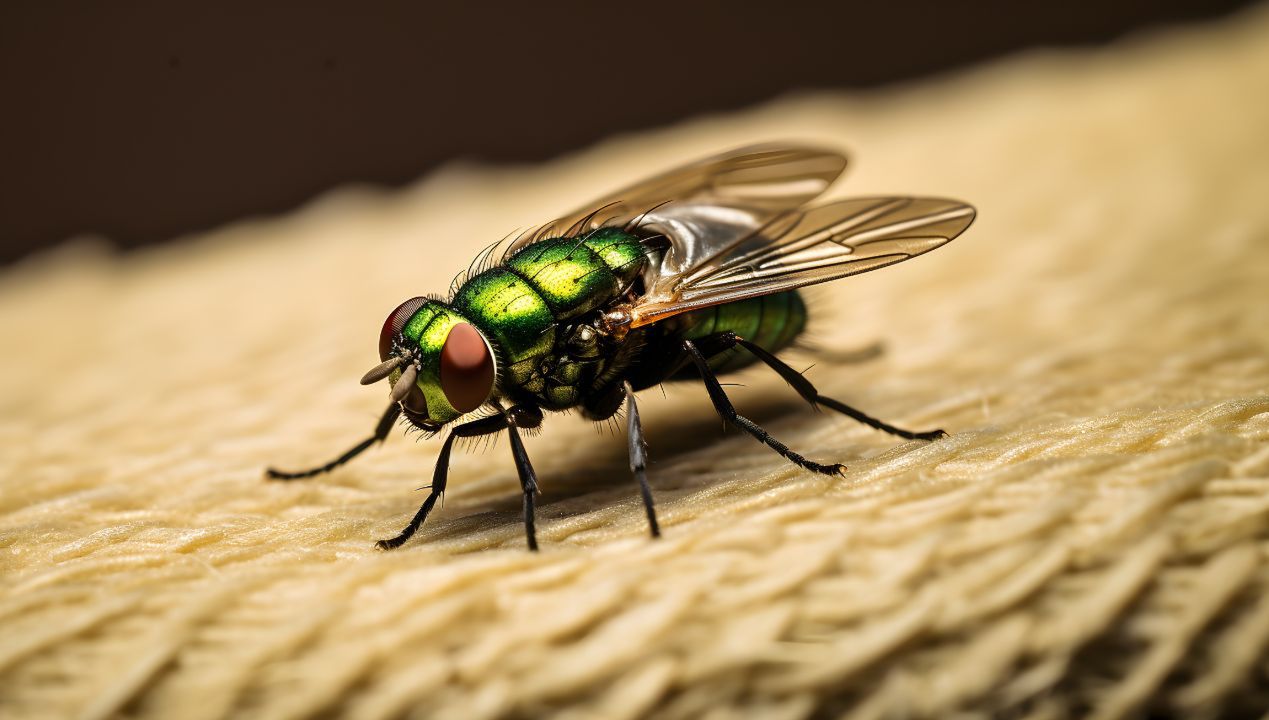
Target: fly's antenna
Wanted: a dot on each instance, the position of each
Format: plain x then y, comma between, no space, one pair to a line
386,368
382,370
405,383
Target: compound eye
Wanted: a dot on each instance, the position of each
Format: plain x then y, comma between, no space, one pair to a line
397,320
467,368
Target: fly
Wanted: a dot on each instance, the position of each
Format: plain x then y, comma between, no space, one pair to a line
688,275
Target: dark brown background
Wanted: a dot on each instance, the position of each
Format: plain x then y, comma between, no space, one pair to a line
144,120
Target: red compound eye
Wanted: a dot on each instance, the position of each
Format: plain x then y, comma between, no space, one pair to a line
467,368
397,320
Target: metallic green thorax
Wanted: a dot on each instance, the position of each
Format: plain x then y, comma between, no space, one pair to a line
523,307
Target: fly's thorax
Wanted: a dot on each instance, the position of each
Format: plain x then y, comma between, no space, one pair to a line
575,275
570,278
623,252
515,318
523,305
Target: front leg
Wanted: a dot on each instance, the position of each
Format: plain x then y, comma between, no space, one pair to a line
522,416
475,428
381,433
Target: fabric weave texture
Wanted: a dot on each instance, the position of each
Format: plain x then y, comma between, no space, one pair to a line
1092,539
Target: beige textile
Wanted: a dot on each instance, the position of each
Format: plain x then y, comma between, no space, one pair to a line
1090,541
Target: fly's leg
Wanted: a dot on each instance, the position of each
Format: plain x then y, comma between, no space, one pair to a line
811,395
525,417
728,413
639,459
484,426
709,346
381,433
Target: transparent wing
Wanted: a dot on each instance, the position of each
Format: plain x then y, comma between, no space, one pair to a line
791,249
764,180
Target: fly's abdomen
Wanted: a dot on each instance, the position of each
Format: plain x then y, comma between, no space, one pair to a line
772,322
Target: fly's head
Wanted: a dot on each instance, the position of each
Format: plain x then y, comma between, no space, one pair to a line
440,366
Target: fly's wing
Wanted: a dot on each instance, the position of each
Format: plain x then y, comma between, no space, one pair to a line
764,180
792,249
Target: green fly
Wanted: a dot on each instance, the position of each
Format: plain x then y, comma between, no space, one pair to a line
686,275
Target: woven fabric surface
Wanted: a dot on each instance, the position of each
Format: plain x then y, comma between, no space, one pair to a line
1091,540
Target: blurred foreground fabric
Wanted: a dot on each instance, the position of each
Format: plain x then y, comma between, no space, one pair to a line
1091,540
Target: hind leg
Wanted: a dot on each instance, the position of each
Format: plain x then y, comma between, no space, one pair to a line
813,396
728,413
